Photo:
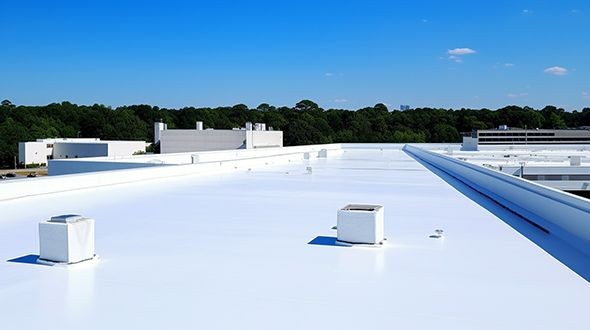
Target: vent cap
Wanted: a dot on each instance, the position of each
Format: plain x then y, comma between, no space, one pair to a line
67,218
361,224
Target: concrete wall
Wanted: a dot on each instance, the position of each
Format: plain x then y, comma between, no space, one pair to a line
469,144
66,150
79,150
63,166
124,148
181,140
32,152
266,139
158,128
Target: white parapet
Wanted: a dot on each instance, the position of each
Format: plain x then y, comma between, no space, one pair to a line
361,224
563,215
66,239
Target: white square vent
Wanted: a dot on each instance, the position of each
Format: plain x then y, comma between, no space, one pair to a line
360,224
66,239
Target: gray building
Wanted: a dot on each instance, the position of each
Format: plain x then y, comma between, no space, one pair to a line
199,139
506,135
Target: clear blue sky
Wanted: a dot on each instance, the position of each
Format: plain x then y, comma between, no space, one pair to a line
342,54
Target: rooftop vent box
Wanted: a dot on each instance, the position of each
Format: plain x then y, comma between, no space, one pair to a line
66,239
360,224
575,160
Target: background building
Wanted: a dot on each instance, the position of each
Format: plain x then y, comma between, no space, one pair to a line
507,135
38,152
199,139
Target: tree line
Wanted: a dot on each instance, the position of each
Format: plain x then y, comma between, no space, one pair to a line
304,123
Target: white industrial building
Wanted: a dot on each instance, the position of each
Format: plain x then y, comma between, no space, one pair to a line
42,150
199,139
504,135
253,239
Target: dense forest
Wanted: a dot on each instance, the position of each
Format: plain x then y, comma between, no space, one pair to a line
304,123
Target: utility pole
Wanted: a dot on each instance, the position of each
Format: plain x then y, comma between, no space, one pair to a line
15,162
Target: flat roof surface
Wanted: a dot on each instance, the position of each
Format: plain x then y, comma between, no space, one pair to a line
256,250
530,156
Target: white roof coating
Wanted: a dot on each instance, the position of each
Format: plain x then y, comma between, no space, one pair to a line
255,250
528,156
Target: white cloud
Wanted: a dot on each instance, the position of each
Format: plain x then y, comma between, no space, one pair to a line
586,95
328,74
556,70
500,65
424,20
456,54
461,51
455,59
340,100
516,95
575,11
527,11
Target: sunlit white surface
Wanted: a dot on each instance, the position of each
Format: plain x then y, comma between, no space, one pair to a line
232,251
535,160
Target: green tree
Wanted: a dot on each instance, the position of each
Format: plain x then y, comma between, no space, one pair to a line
11,133
306,105
445,133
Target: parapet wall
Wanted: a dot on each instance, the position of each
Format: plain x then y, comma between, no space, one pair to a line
104,171
564,215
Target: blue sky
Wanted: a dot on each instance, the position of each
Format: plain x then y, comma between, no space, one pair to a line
341,54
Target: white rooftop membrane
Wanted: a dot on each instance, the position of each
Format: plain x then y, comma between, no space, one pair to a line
232,251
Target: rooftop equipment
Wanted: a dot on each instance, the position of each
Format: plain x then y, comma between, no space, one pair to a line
66,239
575,160
361,224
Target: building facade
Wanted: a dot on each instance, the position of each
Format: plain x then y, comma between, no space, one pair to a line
199,139
505,135
40,151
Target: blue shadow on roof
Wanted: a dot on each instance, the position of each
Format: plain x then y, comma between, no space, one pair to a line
326,241
574,259
28,259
